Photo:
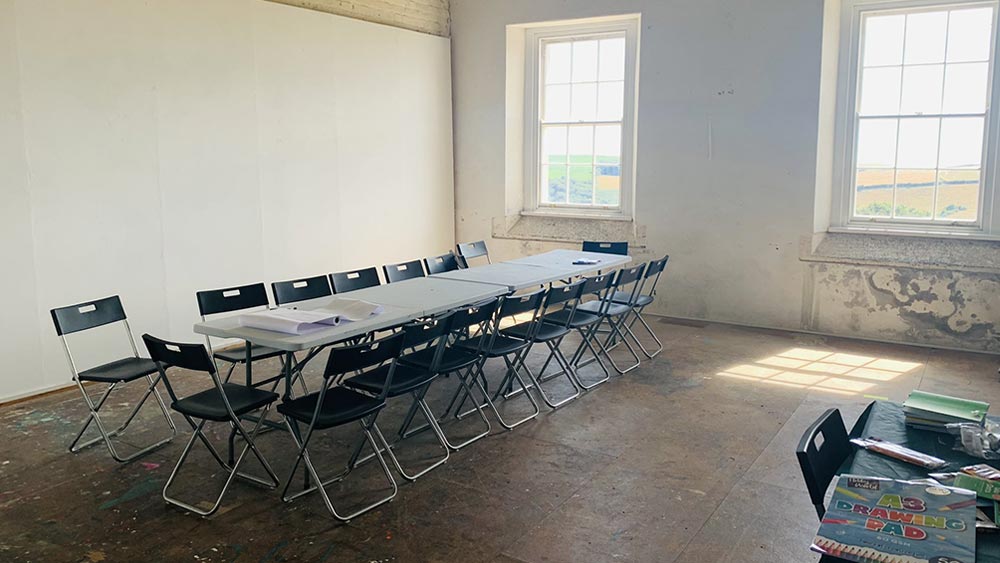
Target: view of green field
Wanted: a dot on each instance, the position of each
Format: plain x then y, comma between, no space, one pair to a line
957,193
588,183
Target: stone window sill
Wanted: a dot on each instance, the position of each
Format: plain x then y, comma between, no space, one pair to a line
931,253
562,228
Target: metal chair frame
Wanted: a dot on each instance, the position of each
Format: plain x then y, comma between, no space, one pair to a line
468,250
439,264
566,296
654,270
178,355
619,329
93,407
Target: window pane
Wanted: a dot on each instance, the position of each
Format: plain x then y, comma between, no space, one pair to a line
608,180
557,62
581,184
915,193
961,142
925,36
969,35
584,102
876,143
584,61
965,88
958,195
553,184
581,145
612,59
880,91
556,103
922,89
873,192
883,40
918,143
610,100
608,144
554,144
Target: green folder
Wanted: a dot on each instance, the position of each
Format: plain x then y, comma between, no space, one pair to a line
944,409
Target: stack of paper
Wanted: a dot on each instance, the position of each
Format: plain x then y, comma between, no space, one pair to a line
297,321
929,411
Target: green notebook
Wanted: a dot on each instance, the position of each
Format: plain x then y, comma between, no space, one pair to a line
942,408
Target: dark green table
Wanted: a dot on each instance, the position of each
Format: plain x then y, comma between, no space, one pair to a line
885,420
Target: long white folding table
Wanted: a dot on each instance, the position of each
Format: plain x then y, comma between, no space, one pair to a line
537,270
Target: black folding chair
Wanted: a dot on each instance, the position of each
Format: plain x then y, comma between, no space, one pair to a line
429,335
294,291
342,282
606,247
89,315
822,450
647,293
587,325
440,264
336,405
222,402
470,250
403,271
229,300
562,298
617,314
512,348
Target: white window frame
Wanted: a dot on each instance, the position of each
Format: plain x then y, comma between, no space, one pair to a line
535,37
842,213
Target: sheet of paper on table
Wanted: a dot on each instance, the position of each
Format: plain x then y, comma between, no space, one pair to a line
298,321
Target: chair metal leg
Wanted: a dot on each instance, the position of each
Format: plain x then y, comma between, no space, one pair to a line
420,404
513,371
553,346
233,469
637,317
105,436
617,336
463,380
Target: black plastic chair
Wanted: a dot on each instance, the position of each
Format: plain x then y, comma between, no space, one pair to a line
293,291
89,315
647,294
606,247
440,264
512,348
617,314
222,402
429,336
336,405
587,325
229,300
403,271
822,450
562,298
342,282
471,250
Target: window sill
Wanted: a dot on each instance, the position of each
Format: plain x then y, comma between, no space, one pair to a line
574,214
929,252
914,231
551,227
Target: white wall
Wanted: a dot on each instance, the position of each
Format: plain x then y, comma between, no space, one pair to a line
152,149
727,136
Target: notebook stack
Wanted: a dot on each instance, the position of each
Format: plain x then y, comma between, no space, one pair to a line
929,411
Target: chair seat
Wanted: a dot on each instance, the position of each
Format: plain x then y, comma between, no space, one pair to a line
404,379
623,297
545,332
580,318
502,346
614,310
208,404
123,370
238,354
340,406
452,360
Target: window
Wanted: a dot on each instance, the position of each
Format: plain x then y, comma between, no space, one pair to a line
580,84
920,149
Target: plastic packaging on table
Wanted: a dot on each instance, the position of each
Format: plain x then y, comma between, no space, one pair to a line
982,441
899,452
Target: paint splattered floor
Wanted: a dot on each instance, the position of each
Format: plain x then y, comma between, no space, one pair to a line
688,459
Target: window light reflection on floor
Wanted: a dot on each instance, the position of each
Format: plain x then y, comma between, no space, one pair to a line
830,372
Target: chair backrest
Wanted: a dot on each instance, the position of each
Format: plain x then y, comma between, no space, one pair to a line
187,356
606,247
652,276
293,291
360,357
597,285
423,331
478,314
823,448
87,315
469,250
521,304
403,271
561,294
440,264
343,282
213,301
627,276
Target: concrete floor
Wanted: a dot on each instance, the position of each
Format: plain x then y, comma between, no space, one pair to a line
688,459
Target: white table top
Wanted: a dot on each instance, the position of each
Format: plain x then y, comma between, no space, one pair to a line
563,260
505,274
403,302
